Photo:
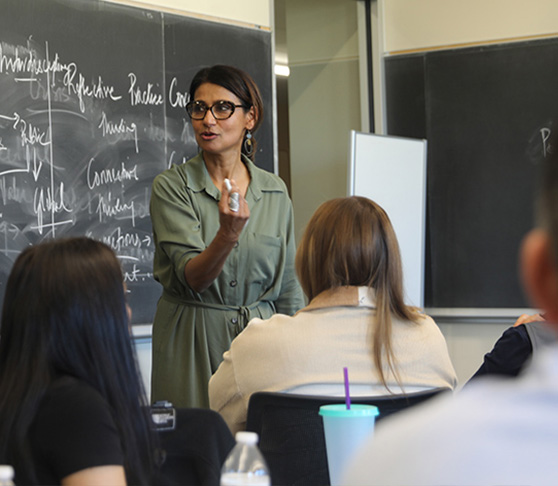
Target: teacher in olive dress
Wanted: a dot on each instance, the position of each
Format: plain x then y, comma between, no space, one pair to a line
224,240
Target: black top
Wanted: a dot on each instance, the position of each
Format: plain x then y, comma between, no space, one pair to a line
515,347
508,355
73,430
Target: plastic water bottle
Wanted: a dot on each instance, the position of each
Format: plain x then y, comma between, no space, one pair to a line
245,464
6,475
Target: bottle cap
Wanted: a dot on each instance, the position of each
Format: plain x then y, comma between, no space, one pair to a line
6,472
250,438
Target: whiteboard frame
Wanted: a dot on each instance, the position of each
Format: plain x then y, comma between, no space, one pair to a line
404,202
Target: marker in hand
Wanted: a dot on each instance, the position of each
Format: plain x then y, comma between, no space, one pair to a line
234,204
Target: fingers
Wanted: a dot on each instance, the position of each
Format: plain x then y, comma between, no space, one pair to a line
526,318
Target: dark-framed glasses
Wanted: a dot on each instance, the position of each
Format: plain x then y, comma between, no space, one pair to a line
221,110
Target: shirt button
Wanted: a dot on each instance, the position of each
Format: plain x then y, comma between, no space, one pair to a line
234,320
233,283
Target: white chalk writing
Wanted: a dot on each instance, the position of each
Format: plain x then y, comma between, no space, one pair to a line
96,89
121,128
143,97
45,201
545,136
117,209
176,98
110,176
119,240
135,275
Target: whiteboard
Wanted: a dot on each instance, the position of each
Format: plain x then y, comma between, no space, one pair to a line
392,172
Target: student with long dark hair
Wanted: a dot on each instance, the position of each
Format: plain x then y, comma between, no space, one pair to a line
72,405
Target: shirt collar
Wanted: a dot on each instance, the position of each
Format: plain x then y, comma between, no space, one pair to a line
198,178
347,296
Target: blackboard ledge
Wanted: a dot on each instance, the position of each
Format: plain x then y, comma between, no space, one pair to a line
480,315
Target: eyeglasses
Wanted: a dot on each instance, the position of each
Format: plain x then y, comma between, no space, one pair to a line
220,110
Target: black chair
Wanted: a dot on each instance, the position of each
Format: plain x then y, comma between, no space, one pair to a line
196,449
292,436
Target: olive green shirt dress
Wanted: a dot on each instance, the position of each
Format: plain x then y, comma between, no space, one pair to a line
192,330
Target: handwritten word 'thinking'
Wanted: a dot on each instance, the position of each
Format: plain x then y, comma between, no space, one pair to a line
120,128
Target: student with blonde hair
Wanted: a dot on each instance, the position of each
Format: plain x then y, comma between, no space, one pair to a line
349,267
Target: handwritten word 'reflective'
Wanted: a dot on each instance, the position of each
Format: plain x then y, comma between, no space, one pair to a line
96,89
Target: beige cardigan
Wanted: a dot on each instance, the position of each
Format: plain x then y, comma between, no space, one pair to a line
312,347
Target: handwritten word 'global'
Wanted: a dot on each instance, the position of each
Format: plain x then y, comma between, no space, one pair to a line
48,201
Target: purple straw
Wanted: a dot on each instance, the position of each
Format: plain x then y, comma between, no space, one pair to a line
347,395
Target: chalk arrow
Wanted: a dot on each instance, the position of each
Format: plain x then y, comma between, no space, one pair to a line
36,169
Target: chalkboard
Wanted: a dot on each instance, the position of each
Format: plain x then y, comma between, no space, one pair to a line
92,99
485,112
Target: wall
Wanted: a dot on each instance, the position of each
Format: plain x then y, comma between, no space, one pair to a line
434,23
255,12
324,99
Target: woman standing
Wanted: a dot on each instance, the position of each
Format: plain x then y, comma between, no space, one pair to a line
70,393
224,240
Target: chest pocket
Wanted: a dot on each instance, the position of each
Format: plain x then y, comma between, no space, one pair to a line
264,258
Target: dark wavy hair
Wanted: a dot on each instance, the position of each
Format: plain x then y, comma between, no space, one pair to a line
65,313
238,82
350,241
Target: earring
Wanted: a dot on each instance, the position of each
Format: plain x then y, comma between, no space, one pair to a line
248,145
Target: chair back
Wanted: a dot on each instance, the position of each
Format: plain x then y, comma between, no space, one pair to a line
196,449
292,434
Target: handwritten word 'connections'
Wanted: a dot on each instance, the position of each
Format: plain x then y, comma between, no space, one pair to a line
110,176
